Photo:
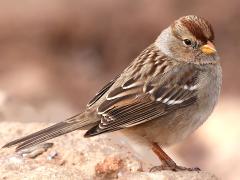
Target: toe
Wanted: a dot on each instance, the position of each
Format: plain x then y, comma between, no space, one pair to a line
173,168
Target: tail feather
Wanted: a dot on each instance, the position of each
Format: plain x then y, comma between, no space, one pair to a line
51,132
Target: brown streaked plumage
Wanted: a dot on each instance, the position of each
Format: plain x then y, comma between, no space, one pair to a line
167,92
200,28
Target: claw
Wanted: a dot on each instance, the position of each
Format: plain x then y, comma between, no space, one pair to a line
173,168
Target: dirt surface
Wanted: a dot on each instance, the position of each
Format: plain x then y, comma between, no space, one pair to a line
74,157
218,136
71,156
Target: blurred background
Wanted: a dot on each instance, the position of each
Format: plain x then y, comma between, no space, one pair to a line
55,55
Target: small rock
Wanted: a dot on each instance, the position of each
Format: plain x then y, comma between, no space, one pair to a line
35,151
109,167
52,155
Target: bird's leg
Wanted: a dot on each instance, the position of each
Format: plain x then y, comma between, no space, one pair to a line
167,162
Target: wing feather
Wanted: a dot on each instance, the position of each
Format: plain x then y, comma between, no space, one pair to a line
101,92
149,88
69,125
164,94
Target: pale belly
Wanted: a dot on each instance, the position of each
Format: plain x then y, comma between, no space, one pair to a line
178,124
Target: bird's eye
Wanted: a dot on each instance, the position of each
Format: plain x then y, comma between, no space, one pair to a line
187,42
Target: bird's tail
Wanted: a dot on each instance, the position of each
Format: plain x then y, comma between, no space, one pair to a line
76,122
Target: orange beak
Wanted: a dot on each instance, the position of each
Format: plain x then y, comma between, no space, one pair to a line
208,48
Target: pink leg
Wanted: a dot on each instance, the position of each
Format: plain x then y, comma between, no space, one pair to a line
167,162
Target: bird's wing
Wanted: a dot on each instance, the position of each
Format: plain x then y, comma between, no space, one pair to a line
101,92
129,100
137,101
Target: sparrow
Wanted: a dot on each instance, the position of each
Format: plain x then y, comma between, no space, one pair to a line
163,96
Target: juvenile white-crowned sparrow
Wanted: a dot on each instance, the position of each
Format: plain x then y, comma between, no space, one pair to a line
165,94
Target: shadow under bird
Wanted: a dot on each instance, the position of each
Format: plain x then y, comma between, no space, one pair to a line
165,94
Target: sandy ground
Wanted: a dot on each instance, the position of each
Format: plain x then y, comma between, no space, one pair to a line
213,146
74,157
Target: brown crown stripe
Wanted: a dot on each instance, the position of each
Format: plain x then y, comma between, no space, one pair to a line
212,36
195,29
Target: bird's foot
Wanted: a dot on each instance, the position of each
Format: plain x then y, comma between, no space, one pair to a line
173,168
168,163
